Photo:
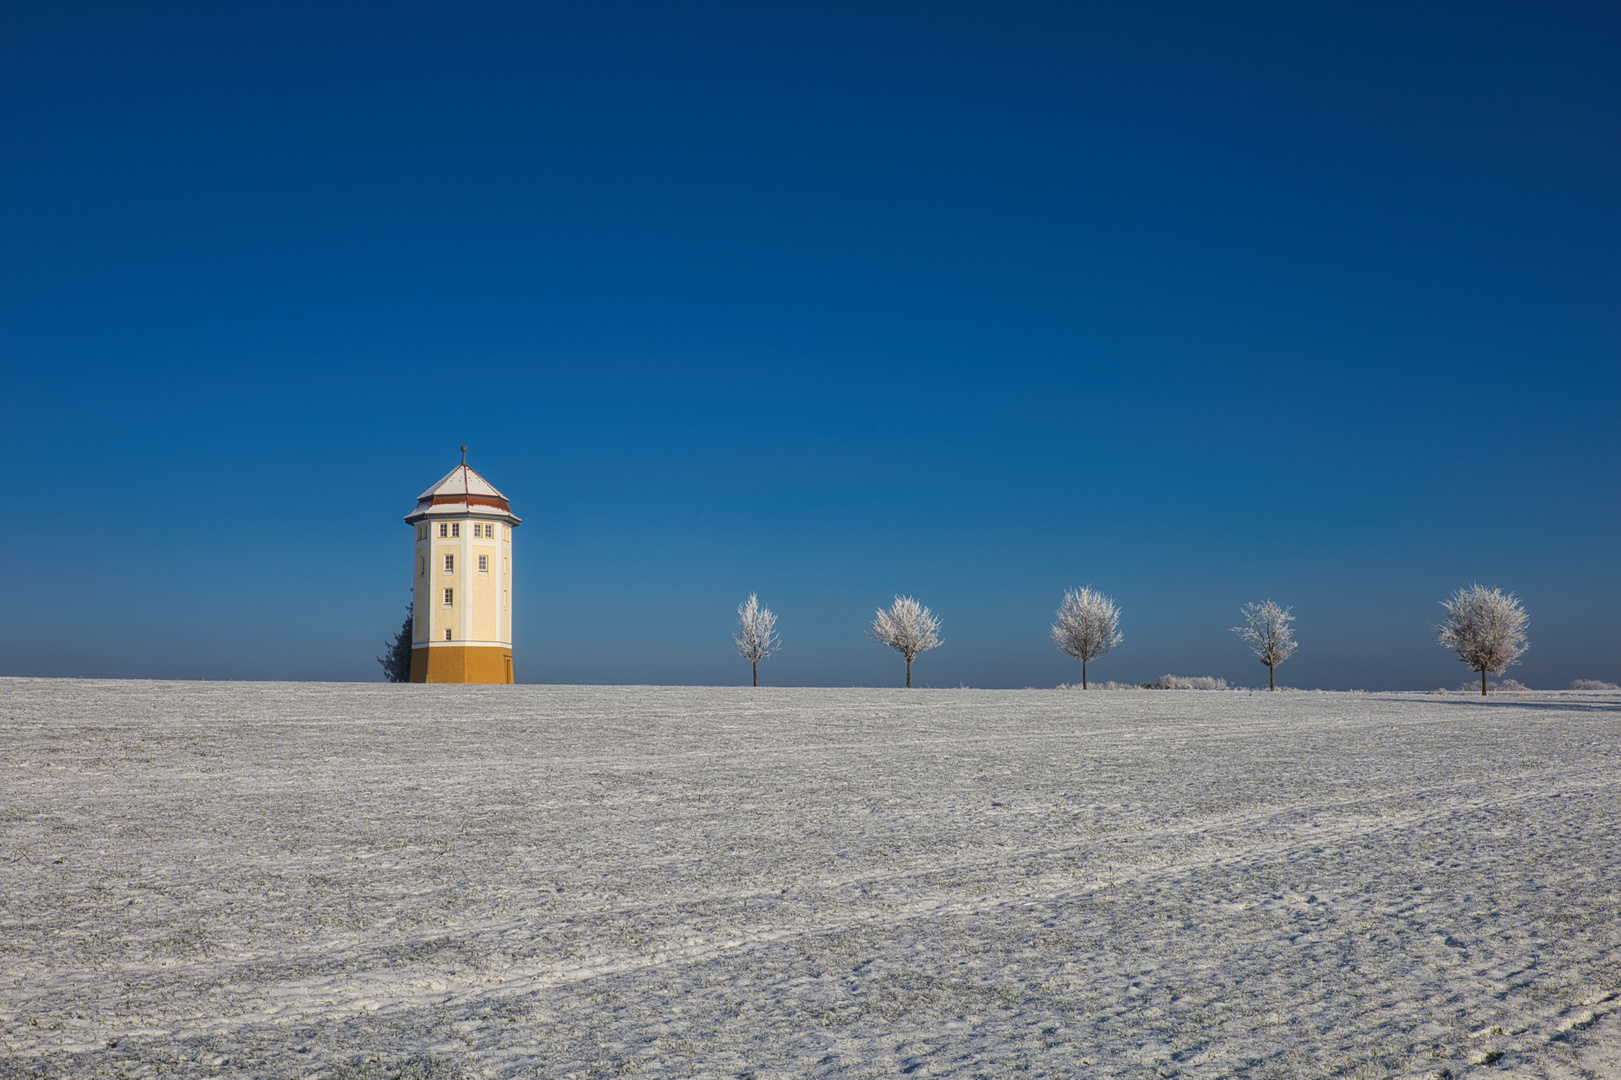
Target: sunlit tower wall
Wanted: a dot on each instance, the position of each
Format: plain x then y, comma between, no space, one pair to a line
462,628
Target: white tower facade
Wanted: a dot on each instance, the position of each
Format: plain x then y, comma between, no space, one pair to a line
462,611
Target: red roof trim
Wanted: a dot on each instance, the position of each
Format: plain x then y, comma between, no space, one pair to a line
470,501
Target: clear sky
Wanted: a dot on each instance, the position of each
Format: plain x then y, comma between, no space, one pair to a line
1196,304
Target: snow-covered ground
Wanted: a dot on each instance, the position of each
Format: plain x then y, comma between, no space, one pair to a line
366,881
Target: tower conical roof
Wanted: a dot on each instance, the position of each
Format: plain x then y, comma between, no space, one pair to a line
462,491
462,480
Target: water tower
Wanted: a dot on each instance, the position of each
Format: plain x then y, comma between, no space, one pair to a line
462,625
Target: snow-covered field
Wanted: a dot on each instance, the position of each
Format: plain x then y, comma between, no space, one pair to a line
365,881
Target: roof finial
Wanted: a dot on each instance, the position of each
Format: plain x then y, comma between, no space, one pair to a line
464,457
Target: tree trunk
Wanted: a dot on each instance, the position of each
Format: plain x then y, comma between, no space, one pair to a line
908,673
1482,682
1271,683
1083,674
756,673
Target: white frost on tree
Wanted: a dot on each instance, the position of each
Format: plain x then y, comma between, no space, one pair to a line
1087,626
1266,631
756,635
1486,628
907,627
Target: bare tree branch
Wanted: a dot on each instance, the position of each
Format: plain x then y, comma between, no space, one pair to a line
756,635
1268,635
1486,628
907,627
1088,626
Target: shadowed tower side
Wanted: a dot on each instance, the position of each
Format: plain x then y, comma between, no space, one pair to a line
463,626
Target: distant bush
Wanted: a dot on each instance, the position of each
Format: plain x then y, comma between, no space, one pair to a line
1100,686
1502,686
1185,682
1592,684
397,660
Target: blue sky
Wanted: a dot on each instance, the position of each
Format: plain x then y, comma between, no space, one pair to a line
1196,304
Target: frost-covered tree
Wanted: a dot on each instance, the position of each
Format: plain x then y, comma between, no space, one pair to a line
1087,626
907,627
756,635
1486,628
396,660
1266,631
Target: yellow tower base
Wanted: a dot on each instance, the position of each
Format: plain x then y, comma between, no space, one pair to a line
461,664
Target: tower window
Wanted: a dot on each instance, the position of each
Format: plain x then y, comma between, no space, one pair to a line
450,597
484,564
450,564
455,528
478,530
443,529
447,635
422,567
